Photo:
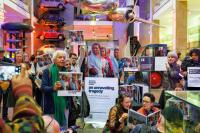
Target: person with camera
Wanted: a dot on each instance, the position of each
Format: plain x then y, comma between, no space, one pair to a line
4,85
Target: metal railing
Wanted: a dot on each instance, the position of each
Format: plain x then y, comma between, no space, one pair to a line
22,4
159,4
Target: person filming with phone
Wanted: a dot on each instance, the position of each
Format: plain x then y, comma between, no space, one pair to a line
4,85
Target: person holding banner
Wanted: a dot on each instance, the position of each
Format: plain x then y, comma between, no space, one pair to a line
117,120
96,64
53,104
193,62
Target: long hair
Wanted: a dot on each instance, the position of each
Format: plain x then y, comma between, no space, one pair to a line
120,100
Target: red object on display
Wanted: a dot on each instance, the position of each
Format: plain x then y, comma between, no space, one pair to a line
51,34
156,79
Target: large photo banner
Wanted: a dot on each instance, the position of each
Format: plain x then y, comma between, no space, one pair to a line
102,94
103,59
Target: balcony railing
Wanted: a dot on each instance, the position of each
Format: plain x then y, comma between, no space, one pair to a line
159,4
22,4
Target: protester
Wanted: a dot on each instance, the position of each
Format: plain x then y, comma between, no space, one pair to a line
52,103
117,119
4,85
193,62
146,109
148,105
27,114
171,76
18,58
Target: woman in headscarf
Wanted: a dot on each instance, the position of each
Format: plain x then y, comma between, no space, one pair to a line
96,64
109,66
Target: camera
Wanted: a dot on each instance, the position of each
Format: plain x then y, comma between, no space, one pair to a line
7,72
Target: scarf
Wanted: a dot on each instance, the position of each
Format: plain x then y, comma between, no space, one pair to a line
96,62
60,103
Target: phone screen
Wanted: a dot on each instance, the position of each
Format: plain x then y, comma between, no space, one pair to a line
7,72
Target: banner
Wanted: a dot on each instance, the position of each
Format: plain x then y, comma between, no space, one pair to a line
102,94
193,76
160,63
102,61
76,38
71,84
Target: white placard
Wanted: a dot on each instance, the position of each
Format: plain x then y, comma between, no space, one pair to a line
160,63
102,94
193,76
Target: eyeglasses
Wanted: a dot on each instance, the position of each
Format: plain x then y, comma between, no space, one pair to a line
68,64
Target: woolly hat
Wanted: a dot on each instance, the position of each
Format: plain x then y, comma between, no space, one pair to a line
22,90
172,54
26,107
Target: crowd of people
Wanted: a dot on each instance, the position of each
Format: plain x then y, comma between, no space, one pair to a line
30,100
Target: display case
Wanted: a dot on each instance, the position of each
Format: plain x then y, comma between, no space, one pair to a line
189,104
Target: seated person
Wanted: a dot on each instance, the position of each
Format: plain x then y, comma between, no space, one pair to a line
117,120
146,109
170,121
148,105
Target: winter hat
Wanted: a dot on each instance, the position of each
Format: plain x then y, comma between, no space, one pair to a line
172,54
22,90
26,107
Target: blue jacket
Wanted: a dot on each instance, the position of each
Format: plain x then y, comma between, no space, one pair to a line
47,89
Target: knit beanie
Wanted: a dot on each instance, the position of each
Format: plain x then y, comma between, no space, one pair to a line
172,54
22,90
26,107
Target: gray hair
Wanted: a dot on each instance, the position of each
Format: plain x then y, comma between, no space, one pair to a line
55,54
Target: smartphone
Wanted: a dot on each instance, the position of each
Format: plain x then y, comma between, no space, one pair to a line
7,72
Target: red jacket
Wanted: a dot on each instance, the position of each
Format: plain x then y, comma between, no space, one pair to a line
144,112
